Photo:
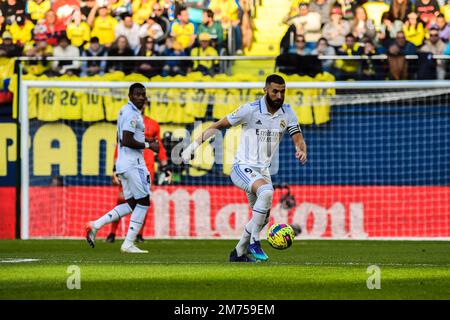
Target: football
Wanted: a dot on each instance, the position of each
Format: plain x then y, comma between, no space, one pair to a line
280,236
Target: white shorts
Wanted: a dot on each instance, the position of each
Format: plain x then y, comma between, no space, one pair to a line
135,183
243,176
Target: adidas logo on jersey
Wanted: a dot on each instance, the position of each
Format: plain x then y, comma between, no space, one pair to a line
258,122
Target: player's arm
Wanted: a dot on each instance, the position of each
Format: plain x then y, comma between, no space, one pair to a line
300,147
129,141
223,123
297,137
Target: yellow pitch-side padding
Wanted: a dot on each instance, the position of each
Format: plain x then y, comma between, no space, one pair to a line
181,106
45,155
8,146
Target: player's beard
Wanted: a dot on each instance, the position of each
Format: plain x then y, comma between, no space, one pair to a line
278,103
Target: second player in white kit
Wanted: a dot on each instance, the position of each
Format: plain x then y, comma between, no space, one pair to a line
264,123
131,171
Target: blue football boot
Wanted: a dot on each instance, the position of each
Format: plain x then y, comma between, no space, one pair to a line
244,258
257,252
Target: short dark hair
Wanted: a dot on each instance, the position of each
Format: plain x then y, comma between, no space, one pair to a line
125,15
274,78
63,37
350,35
95,40
210,13
181,9
135,86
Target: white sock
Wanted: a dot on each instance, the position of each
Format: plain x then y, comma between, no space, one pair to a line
260,209
241,247
136,221
115,214
257,225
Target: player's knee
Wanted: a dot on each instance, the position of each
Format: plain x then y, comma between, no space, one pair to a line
265,195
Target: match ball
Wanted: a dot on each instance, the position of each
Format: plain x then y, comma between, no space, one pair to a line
280,236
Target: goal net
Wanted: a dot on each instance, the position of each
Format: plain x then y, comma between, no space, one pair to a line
378,159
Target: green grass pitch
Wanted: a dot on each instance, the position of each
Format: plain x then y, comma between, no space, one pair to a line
198,269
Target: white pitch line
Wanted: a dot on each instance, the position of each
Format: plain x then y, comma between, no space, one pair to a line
262,263
14,260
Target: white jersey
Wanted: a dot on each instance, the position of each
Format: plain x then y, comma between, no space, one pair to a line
261,131
130,119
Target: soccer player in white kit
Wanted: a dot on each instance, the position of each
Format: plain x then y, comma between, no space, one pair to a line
131,171
263,124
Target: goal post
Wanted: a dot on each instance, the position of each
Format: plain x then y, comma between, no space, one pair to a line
378,168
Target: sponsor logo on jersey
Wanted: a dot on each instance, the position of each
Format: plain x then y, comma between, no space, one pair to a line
282,124
258,122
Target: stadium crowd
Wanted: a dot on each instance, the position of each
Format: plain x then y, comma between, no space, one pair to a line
120,28
175,28
397,28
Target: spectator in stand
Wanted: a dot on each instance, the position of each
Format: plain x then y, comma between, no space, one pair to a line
427,10
307,24
148,68
119,7
300,49
443,27
21,30
324,49
103,26
9,9
128,28
399,10
65,50
349,69
388,30
211,27
374,10
86,7
142,10
363,28
158,16
183,30
64,9
121,48
7,48
398,65
173,67
153,30
227,13
54,28
246,25
414,30
336,30
322,7
37,9
37,48
207,67
437,47
371,69
78,31
405,47
92,68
